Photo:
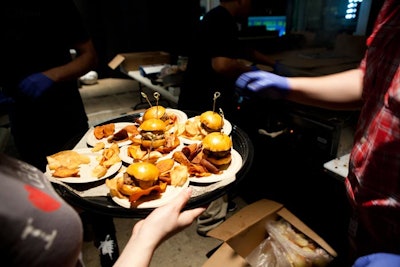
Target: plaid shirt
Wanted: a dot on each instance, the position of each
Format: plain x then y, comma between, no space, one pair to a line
373,182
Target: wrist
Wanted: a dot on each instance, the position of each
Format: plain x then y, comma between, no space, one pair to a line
254,68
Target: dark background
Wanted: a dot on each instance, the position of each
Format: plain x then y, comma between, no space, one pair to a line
122,26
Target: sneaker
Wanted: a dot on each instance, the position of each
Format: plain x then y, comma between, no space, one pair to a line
89,78
232,206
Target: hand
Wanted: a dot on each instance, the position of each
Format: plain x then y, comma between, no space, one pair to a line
257,81
281,69
5,100
167,220
378,260
262,83
35,85
159,225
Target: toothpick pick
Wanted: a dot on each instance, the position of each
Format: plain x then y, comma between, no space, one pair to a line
216,95
147,99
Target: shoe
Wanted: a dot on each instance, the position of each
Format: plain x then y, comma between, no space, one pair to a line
89,78
232,206
202,233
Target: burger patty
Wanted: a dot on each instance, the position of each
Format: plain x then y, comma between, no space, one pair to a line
217,155
133,181
209,129
155,135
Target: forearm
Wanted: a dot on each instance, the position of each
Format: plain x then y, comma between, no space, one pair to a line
260,58
229,67
341,91
85,61
136,253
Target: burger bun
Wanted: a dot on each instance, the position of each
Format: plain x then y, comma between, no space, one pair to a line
152,125
217,142
211,121
154,112
217,148
145,173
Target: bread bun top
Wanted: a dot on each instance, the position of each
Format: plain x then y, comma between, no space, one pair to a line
217,142
152,125
157,112
212,120
144,171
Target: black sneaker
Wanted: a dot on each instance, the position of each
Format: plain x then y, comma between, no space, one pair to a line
232,206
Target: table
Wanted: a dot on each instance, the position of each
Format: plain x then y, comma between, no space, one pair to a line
205,193
164,92
339,167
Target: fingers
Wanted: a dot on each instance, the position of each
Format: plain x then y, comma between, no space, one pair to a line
183,198
188,216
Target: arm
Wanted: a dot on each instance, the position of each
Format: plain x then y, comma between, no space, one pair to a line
229,67
335,91
161,224
36,84
85,61
260,58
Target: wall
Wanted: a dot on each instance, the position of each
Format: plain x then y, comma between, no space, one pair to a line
120,26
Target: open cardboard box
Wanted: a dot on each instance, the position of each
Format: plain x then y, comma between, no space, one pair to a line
132,61
245,230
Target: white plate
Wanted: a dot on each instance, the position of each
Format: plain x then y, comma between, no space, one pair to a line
180,115
170,193
234,167
91,140
227,129
123,153
85,170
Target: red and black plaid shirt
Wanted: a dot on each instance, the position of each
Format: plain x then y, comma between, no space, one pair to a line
374,174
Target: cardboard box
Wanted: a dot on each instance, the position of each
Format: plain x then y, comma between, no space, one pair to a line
132,61
245,230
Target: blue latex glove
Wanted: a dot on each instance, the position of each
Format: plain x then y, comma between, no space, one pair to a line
281,69
35,85
263,83
378,260
5,99
254,68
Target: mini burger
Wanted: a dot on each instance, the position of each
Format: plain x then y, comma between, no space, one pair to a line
156,112
217,149
211,121
141,179
142,174
152,132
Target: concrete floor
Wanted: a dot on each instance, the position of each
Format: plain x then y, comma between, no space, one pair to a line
112,97
104,100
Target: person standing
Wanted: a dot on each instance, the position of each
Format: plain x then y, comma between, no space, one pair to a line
216,58
40,79
38,73
373,179
40,229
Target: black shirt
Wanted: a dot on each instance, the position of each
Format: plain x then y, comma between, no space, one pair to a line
37,35
217,35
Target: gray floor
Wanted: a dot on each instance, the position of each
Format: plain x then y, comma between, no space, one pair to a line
110,98
107,99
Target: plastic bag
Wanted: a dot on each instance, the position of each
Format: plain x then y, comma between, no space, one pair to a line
285,247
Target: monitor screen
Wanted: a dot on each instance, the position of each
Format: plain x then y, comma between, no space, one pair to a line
271,23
